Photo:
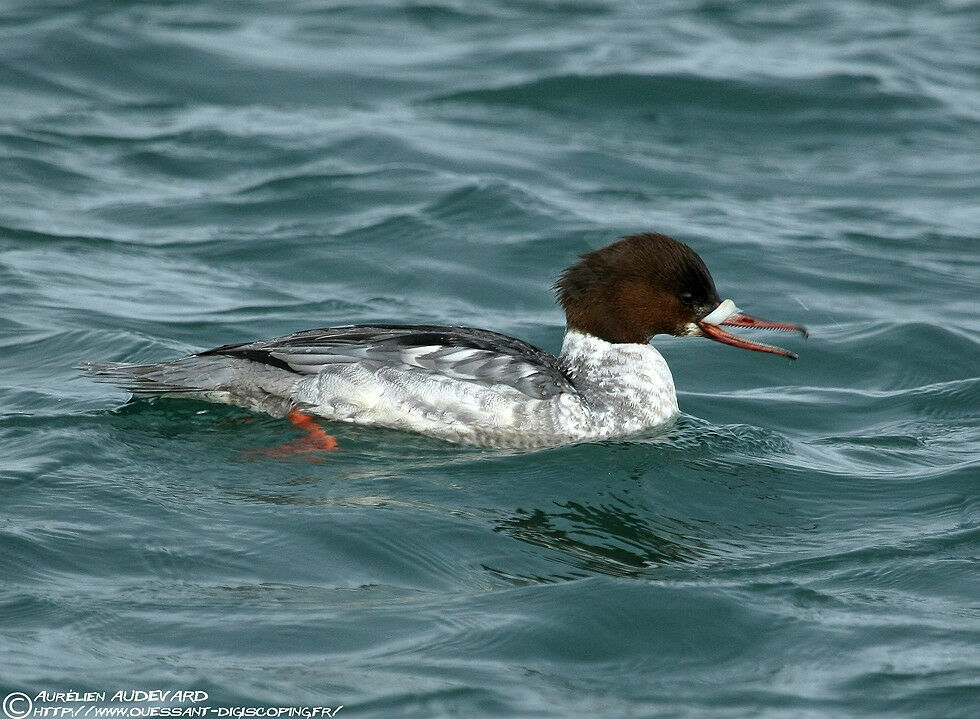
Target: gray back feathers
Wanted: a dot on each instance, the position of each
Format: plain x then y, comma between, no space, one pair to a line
460,353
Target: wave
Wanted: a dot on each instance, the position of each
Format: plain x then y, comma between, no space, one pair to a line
836,98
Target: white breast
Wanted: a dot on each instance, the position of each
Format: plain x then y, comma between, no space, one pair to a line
630,384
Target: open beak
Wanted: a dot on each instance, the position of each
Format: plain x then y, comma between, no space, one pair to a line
728,314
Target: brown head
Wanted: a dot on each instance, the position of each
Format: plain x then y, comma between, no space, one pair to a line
650,284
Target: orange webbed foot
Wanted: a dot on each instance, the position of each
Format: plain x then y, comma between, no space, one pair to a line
315,437
316,440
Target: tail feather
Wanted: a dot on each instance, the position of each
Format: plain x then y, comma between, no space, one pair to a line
157,378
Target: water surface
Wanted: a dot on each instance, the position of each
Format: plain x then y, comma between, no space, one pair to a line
802,543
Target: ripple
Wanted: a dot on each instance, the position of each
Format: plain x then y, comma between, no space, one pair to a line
802,542
837,99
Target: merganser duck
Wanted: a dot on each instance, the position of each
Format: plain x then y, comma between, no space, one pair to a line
478,387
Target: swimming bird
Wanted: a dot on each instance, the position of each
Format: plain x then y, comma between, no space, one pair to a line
475,386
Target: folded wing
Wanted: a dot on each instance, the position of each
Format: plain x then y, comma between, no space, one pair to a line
461,353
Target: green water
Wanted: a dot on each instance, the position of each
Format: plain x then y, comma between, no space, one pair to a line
802,543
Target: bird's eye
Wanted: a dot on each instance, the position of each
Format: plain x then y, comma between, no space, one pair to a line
687,298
